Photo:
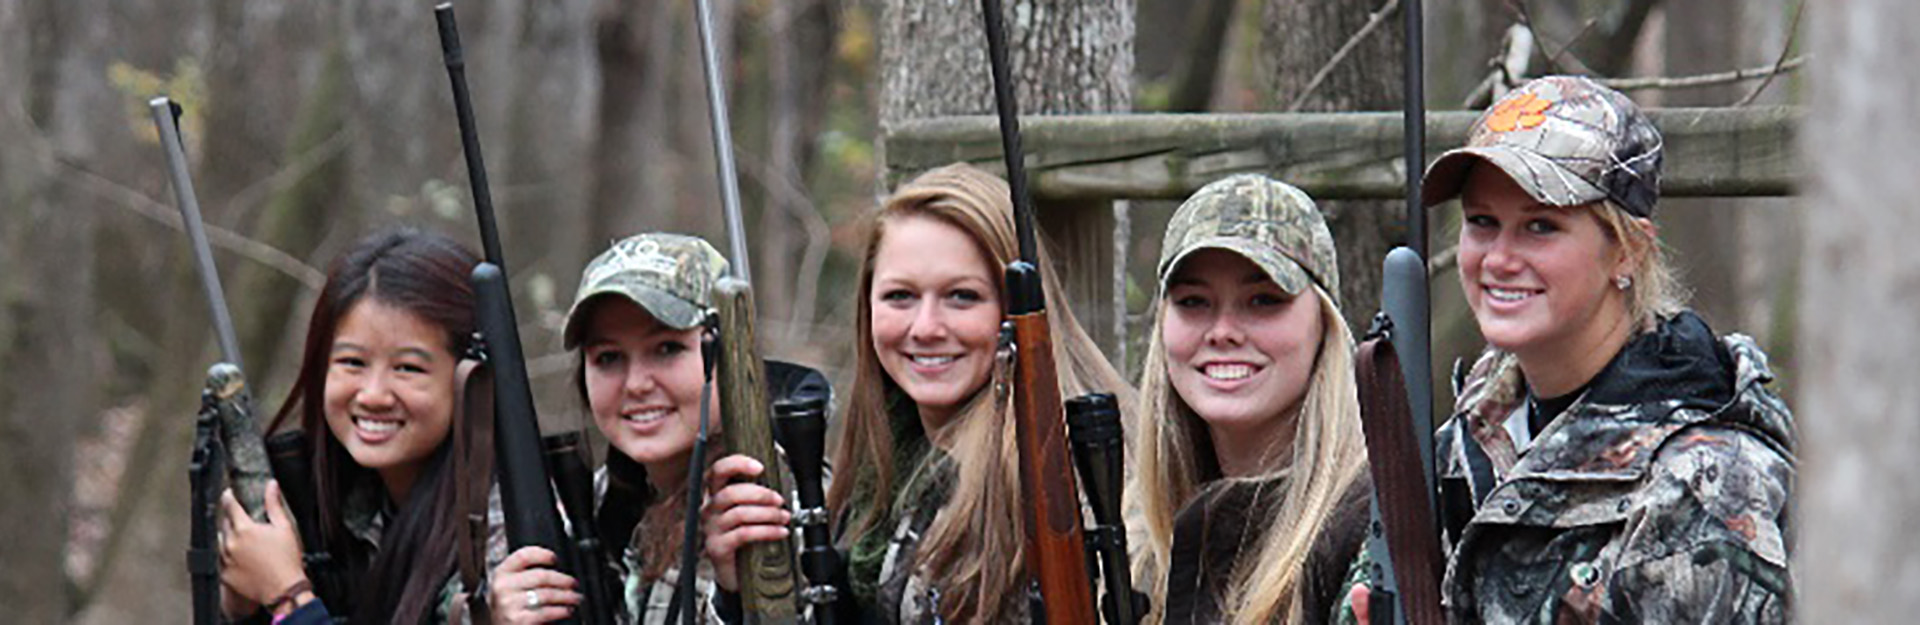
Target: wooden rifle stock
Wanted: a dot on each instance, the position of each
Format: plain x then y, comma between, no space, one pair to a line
1056,540
766,571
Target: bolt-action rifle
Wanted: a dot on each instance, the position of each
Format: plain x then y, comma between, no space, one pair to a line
1393,373
522,461
768,590
1055,539
227,445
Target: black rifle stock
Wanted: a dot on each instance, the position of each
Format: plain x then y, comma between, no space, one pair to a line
1395,393
525,490
1394,375
1055,539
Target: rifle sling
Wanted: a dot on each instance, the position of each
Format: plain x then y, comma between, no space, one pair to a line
473,452
1405,505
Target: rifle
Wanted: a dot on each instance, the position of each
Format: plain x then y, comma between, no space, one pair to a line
766,571
227,445
1093,422
1396,398
525,490
1055,541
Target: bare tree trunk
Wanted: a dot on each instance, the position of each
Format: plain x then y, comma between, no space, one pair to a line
794,236
1859,405
1067,56
1179,66
50,352
1704,233
622,40
1301,37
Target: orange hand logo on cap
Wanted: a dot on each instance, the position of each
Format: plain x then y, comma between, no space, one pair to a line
1518,113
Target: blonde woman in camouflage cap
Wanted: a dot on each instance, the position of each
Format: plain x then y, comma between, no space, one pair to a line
636,323
1249,485
1609,459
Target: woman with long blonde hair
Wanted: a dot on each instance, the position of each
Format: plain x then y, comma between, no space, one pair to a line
1249,489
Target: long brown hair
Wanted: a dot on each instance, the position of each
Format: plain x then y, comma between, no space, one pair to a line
425,274
973,552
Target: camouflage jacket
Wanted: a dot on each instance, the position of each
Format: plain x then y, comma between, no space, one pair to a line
1660,495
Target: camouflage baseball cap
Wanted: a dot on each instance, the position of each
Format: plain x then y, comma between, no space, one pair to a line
1270,222
1567,140
667,274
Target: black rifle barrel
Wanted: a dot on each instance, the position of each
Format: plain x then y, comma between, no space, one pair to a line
469,133
524,488
1007,106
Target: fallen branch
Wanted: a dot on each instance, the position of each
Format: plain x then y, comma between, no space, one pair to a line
1703,80
1792,32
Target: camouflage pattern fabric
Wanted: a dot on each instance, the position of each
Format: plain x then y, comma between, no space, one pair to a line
669,275
1653,507
1270,222
1567,140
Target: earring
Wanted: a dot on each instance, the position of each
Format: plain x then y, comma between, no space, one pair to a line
1623,282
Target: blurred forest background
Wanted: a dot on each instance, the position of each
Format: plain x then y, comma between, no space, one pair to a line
313,123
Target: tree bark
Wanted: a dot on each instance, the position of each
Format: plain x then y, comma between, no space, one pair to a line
1301,37
1859,406
1066,56
51,350
1071,56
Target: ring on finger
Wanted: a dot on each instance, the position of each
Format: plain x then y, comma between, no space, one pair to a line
533,599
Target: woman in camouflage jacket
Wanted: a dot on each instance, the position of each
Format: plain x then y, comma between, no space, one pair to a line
1609,459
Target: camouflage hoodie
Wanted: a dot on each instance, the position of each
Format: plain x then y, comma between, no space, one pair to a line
1660,495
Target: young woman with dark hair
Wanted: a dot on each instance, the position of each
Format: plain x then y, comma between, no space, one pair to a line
376,395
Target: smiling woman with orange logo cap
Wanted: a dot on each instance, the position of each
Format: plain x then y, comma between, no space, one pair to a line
1250,479
1609,459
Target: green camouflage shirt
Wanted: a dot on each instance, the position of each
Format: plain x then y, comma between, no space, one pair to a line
1661,495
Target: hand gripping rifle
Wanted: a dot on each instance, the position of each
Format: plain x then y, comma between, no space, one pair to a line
767,585
227,444
1393,372
1055,540
521,457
